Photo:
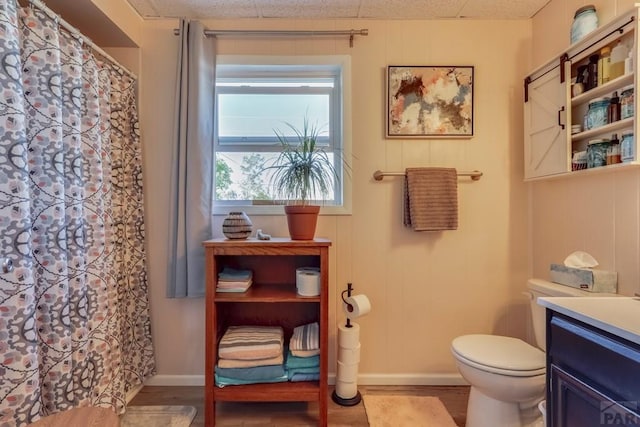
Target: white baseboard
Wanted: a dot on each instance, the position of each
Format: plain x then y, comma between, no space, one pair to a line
364,379
176,380
411,379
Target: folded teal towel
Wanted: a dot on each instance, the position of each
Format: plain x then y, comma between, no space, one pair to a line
312,370
304,377
222,381
256,373
297,371
293,362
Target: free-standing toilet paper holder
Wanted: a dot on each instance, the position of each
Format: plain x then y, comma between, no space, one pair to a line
348,307
344,395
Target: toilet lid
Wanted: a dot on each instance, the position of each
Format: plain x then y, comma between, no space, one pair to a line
502,353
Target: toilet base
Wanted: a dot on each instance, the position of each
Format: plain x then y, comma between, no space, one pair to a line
485,411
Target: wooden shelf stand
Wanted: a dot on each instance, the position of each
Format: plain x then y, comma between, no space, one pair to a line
271,300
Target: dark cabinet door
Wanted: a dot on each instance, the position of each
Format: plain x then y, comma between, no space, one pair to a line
576,404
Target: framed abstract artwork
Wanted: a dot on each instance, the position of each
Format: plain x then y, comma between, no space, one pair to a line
429,101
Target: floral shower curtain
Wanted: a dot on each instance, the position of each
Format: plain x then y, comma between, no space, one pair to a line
74,314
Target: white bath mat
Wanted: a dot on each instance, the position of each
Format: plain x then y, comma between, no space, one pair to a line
158,416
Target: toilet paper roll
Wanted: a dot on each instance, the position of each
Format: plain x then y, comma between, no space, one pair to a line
349,337
308,281
349,355
346,390
356,306
347,371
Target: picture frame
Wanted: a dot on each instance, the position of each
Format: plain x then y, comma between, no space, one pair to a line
429,101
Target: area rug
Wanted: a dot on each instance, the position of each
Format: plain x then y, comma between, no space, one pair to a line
158,416
409,411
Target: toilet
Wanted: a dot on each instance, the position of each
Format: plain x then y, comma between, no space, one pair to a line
507,375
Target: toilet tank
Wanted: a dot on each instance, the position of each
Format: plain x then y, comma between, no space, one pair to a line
543,288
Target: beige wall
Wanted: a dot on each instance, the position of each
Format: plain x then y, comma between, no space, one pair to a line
426,288
596,213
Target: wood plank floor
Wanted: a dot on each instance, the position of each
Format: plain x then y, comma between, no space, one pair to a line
297,413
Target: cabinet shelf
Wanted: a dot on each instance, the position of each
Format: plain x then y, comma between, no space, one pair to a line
602,90
606,129
266,293
304,391
587,172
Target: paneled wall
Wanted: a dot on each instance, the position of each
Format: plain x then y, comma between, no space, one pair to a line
426,288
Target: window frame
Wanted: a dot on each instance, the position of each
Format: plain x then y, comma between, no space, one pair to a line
340,122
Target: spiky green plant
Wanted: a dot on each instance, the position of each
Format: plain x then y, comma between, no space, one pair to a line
303,169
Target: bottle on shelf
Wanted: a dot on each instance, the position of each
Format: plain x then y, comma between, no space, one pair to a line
628,63
592,77
613,150
581,78
603,65
618,55
613,110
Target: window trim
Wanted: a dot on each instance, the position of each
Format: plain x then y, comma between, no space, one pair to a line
344,126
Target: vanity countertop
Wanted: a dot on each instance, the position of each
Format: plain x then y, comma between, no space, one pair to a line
617,315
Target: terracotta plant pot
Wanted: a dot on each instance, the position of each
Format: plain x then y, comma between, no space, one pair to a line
302,220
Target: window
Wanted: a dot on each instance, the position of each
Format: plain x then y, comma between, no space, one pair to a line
254,100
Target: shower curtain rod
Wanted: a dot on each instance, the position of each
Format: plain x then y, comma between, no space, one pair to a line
86,40
284,33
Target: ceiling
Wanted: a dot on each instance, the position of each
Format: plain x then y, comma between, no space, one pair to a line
337,9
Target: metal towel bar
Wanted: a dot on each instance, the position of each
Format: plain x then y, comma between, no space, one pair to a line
378,175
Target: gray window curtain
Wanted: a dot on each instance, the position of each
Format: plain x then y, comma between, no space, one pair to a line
192,164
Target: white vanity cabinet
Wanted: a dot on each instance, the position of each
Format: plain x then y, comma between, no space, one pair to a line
550,109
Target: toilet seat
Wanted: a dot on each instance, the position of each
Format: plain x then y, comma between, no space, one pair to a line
500,355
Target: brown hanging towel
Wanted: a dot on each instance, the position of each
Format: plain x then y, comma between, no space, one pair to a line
431,199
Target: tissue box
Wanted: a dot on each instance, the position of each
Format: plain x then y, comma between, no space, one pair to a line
585,278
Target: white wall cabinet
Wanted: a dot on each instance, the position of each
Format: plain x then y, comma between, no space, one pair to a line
546,150
550,110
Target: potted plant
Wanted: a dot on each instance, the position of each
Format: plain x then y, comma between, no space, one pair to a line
302,172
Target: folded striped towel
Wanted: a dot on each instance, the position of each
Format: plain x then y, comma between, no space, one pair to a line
306,353
251,342
234,363
305,338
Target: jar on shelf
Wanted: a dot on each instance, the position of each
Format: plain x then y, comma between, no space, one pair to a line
597,152
597,114
626,102
585,20
627,147
237,225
